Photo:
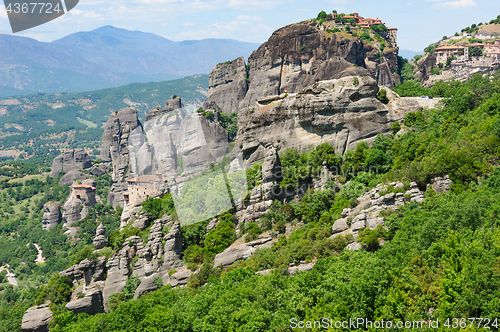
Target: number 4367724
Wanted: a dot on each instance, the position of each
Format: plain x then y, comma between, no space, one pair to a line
33,8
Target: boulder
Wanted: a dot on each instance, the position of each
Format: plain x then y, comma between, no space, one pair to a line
179,278
72,160
355,246
51,215
339,226
440,184
37,319
90,304
148,284
241,251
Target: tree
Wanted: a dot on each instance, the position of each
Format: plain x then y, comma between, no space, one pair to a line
395,127
382,96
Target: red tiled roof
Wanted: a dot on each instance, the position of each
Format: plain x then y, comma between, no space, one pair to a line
86,186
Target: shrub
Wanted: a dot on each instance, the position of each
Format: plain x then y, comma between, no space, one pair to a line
395,127
382,96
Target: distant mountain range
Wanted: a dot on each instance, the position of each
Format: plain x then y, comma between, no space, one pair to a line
106,57
407,54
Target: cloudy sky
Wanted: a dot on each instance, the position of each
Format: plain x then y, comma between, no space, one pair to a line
419,22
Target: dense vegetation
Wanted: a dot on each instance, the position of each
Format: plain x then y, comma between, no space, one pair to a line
22,196
440,259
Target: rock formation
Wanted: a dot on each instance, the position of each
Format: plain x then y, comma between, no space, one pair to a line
294,57
51,215
114,150
76,206
340,112
227,86
37,319
170,105
90,303
241,252
367,213
100,240
72,160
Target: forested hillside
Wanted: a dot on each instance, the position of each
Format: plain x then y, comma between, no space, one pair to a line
50,122
434,260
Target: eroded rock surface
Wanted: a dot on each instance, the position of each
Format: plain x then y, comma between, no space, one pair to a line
72,160
340,112
37,319
51,215
227,86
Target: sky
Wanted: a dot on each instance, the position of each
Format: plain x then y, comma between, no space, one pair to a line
419,22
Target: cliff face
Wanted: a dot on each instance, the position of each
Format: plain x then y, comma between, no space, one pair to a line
340,112
115,149
294,57
227,86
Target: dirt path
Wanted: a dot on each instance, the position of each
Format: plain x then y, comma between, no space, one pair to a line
39,257
11,277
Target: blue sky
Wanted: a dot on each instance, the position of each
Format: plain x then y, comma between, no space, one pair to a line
419,22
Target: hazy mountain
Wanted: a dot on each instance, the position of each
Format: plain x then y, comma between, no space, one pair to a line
106,57
409,54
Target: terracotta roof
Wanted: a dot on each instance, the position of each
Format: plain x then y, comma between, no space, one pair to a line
86,186
392,28
449,47
146,178
476,45
126,193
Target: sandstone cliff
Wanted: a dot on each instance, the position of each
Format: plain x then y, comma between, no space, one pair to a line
227,86
51,215
114,149
340,112
294,57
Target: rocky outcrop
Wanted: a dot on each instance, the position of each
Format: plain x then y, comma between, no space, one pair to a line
76,206
100,240
241,252
425,66
170,105
118,267
173,247
51,215
37,319
72,160
74,211
340,112
90,304
71,177
367,213
227,86
297,56
114,149
201,142
440,184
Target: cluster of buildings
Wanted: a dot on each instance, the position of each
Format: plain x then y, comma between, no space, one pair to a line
490,49
366,23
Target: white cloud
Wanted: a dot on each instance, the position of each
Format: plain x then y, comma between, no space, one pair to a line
3,13
249,18
188,24
85,14
457,4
